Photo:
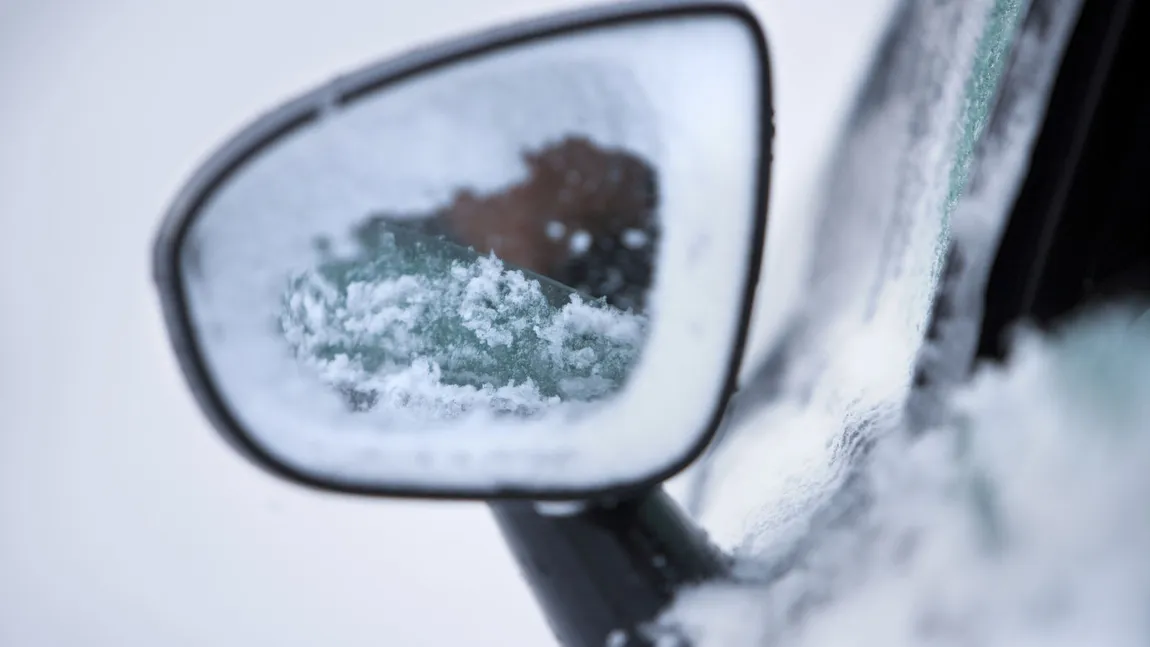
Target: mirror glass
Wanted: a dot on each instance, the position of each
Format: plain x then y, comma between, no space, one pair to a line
522,268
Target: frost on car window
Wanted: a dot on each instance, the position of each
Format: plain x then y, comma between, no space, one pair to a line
865,271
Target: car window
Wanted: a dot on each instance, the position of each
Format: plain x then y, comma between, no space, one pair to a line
839,364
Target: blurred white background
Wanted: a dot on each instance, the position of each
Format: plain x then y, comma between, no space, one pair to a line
123,519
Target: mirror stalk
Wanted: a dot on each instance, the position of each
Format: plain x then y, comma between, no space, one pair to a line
602,574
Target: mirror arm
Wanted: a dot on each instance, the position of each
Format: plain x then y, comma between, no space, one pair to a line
605,571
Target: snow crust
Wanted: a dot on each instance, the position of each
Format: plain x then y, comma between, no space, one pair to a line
1020,520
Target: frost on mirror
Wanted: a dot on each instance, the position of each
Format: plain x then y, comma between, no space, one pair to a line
513,300
517,267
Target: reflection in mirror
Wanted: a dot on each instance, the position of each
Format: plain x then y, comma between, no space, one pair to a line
488,246
503,308
514,300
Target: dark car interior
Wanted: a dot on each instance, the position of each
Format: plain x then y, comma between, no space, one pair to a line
1080,230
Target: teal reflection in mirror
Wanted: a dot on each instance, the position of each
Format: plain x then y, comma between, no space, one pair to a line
420,322
521,267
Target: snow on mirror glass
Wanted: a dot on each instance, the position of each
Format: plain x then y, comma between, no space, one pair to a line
523,268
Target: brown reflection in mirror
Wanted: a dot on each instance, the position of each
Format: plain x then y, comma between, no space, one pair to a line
585,216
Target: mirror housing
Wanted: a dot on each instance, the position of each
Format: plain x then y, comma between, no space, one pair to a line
239,217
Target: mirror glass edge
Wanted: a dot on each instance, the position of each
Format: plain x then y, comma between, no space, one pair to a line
240,148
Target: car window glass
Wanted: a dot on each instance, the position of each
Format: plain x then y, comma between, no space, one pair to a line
840,361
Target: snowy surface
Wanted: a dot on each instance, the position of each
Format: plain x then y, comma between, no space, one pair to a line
126,522
1009,524
1015,514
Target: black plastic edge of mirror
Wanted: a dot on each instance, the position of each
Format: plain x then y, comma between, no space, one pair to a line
344,89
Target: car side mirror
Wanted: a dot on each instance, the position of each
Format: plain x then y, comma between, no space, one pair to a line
518,264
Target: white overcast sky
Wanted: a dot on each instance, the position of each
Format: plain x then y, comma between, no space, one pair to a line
123,520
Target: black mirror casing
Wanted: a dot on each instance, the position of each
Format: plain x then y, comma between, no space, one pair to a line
170,243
